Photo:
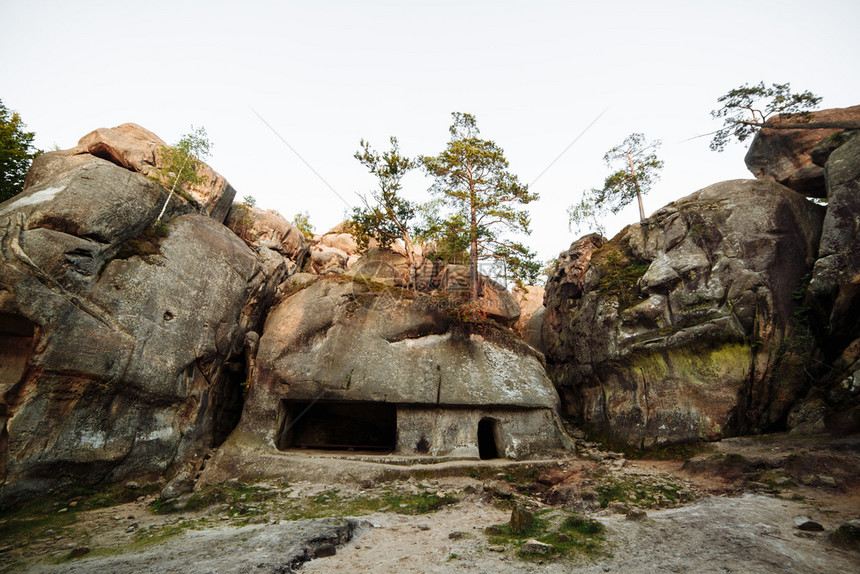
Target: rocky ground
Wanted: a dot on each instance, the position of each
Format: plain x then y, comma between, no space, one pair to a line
729,507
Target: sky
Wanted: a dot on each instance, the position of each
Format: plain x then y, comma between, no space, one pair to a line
286,90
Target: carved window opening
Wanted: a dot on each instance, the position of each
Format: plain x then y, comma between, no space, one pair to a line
356,426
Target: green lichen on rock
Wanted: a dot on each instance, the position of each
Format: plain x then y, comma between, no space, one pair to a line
620,272
724,364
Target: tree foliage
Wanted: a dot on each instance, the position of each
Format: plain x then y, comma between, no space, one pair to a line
473,180
181,162
244,222
16,152
302,220
747,109
635,168
386,215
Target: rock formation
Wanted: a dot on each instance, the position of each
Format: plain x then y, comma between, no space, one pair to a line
120,340
833,297
529,298
345,363
391,267
269,233
139,150
681,328
784,154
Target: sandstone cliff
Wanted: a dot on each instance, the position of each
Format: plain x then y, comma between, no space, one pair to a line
676,329
733,310
121,341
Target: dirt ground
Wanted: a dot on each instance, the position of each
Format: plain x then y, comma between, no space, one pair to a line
731,508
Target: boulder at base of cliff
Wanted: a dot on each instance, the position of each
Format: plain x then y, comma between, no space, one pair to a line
120,340
784,154
682,327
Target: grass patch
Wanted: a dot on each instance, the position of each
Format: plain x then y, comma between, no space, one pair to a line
56,512
243,502
331,503
572,536
646,492
144,538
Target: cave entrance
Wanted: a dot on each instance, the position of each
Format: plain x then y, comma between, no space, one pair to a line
487,432
228,399
17,341
337,426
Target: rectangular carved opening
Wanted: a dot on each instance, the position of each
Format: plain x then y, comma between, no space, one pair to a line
324,425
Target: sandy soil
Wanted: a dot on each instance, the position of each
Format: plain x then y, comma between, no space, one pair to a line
750,533
728,521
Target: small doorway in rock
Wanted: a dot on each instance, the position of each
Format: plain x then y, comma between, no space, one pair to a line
487,432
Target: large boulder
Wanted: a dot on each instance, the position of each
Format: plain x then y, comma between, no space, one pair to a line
563,287
121,341
339,342
139,150
269,233
682,327
494,300
784,154
343,241
498,303
325,258
384,266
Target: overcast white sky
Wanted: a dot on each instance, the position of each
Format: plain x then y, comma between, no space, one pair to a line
326,74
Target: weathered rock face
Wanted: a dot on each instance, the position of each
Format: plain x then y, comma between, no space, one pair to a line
335,251
835,287
784,154
564,286
120,343
391,267
136,149
529,299
833,297
269,233
339,342
682,328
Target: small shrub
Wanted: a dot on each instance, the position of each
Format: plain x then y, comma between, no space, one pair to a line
147,243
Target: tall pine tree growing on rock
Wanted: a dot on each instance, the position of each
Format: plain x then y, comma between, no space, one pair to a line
635,167
473,180
747,109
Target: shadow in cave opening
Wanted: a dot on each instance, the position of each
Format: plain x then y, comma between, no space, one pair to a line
487,432
356,426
